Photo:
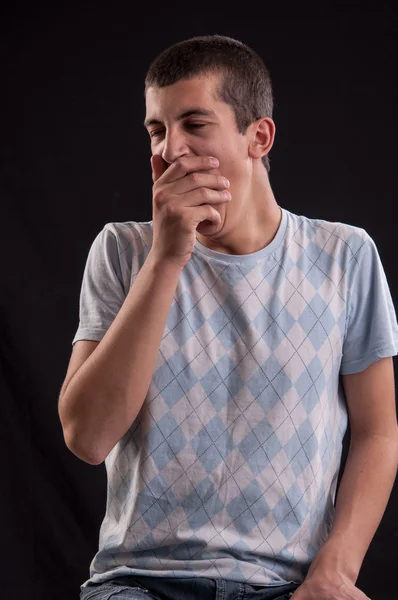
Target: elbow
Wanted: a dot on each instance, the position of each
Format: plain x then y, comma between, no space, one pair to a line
87,458
80,450
76,442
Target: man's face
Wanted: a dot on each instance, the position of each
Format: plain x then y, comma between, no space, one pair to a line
182,131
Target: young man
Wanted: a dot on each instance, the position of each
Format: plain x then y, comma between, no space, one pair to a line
220,350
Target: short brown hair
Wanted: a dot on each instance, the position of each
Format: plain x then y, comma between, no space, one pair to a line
246,83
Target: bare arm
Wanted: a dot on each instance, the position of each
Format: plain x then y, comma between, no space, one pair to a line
365,487
105,395
102,399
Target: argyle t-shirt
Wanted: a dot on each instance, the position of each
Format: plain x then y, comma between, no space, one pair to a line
230,468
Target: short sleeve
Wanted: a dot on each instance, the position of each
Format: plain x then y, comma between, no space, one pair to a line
372,330
102,292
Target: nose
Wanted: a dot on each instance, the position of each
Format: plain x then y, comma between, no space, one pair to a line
174,146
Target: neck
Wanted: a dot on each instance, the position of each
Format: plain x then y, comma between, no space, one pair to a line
250,220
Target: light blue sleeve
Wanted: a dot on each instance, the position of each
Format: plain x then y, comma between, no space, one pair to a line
102,292
372,330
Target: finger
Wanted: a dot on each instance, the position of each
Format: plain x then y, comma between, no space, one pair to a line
159,166
200,180
189,164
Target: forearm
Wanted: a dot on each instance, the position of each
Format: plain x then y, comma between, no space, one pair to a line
104,397
361,501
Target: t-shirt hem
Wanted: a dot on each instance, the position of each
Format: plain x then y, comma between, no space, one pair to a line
92,335
100,581
356,366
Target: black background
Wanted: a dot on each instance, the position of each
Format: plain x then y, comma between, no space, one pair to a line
74,156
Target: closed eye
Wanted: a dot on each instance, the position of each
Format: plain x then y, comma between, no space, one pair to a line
188,125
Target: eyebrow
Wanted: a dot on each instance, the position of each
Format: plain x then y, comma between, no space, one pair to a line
187,113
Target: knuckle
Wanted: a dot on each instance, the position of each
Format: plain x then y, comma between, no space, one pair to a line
171,209
195,177
206,193
158,196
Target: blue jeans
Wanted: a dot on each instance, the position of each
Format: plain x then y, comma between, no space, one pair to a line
167,588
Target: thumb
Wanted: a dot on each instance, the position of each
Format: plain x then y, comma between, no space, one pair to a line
159,166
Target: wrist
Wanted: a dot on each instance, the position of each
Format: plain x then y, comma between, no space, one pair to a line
336,557
163,265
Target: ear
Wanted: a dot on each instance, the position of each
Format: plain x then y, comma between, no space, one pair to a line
261,136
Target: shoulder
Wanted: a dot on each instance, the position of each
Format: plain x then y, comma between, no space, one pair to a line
135,235
342,241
